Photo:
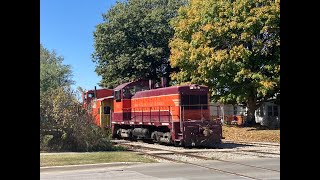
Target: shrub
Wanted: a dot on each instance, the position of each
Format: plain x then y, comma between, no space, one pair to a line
65,126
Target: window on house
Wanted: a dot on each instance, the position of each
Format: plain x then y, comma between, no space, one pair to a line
261,111
269,110
275,111
235,110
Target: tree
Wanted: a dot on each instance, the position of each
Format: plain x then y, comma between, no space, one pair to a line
233,46
132,42
53,74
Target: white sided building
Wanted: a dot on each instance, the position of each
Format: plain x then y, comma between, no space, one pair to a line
268,114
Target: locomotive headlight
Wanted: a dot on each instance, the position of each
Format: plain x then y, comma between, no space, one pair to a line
194,87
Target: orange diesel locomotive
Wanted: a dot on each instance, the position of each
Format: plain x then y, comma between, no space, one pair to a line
176,115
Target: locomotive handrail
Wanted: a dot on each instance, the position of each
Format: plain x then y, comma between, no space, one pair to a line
151,108
146,111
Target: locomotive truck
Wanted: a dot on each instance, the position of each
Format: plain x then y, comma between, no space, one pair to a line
141,109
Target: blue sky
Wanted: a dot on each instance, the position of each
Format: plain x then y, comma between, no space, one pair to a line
67,27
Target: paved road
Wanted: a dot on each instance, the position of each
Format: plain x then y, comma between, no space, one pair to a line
170,171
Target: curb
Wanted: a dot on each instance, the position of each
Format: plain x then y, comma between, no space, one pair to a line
86,166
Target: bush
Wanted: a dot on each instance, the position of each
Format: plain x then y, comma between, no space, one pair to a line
44,142
65,126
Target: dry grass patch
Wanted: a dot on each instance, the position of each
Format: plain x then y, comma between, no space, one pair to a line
250,134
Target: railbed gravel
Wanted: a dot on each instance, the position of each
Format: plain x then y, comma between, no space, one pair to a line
226,151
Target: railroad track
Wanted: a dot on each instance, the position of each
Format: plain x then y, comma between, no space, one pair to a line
262,154
250,152
263,144
161,154
252,143
223,149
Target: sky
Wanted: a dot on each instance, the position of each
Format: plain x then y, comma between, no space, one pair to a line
67,27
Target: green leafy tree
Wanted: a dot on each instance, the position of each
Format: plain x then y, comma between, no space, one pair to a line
233,46
53,74
132,42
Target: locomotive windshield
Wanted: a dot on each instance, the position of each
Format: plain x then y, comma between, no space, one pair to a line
194,101
130,91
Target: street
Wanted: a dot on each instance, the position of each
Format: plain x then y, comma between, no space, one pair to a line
260,168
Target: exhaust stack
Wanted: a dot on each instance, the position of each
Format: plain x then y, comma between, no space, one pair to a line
95,91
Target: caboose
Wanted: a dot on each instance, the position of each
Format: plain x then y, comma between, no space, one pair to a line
99,103
176,115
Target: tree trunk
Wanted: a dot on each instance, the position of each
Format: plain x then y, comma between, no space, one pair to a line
251,110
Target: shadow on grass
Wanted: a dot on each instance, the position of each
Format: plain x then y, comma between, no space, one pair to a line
258,128
253,127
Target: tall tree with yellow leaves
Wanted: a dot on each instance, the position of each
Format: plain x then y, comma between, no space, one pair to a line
233,46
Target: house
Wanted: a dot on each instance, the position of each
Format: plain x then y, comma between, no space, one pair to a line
268,114
228,113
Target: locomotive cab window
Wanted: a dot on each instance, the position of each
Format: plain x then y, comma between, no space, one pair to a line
90,95
194,101
117,95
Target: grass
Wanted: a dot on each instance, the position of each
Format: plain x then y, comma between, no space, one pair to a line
233,133
61,159
251,134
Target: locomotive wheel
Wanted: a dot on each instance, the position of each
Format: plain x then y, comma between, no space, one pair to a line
155,137
116,135
176,143
130,135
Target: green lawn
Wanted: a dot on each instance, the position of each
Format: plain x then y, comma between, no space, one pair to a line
57,159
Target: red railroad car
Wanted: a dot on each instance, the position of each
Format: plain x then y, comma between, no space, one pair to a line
173,115
99,103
